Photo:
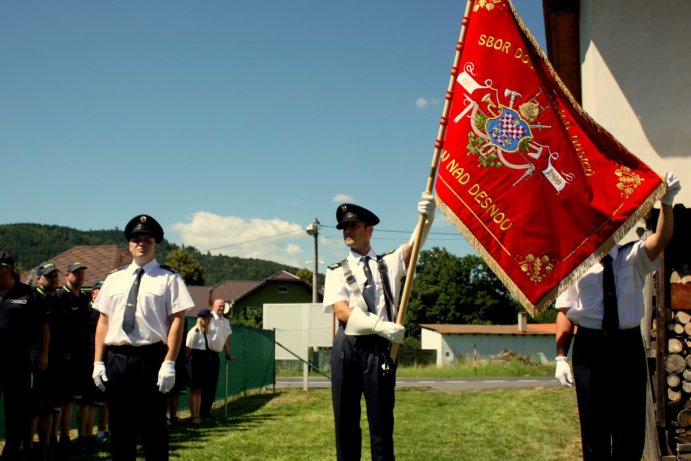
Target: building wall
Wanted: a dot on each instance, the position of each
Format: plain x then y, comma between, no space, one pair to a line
636,77
432,340
452,347
274,292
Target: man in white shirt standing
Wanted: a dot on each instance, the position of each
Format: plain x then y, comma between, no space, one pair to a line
138,337
363,291
609,360
219,340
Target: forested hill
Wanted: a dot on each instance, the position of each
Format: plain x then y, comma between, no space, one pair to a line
30,244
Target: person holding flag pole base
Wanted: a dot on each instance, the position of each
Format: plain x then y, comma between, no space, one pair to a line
363,291
607,304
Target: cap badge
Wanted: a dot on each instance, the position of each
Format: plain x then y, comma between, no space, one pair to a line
142,219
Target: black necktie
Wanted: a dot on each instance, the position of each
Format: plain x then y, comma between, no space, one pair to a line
131,306
369,290
610,318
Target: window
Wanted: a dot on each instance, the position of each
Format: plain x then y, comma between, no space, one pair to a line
283,289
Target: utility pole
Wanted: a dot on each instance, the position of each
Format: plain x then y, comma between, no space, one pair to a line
313,230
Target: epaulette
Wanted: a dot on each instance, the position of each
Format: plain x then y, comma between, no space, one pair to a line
117,269
168,268
335,266
387,253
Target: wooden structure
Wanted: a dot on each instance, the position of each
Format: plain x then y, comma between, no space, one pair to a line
670,347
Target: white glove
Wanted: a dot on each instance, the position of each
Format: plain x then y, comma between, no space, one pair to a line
362,323
563,371
425,206
166,376
673,188
99,375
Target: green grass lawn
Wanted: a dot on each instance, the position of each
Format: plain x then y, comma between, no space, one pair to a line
531,424
513,368
463,369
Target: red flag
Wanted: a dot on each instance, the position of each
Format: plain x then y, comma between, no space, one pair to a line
538,188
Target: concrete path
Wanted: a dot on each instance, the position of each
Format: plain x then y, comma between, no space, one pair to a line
445,384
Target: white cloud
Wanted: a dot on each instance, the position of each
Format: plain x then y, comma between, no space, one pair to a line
341,198
422,103
293,249
270,239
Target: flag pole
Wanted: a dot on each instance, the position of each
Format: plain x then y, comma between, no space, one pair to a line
405,295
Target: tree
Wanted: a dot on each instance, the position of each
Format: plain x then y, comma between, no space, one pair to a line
305,275
458,290
189,268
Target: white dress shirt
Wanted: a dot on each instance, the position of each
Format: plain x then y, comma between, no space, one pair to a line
162,293
336,287
219,330
585,297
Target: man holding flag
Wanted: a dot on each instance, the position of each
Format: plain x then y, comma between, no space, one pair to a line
607,304
536,186
543,193
363,291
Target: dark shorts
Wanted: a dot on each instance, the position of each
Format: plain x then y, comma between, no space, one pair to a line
199,367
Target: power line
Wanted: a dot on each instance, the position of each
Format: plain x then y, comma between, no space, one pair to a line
452,234
403,232
257,239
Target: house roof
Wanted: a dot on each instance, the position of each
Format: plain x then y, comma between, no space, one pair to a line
100,261
233,290
283,276
532,329
202,297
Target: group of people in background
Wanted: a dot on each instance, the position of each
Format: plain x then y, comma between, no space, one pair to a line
113,349
57,329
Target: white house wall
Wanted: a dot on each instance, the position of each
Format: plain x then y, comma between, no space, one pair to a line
636,78
430,339
450,347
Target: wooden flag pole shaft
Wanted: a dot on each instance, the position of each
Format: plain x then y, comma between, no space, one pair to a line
405,295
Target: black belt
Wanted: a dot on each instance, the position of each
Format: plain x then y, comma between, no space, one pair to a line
374,343
597,333
139,351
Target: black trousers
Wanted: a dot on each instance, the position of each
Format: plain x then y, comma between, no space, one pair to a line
14,387
209,390
136,406
356,369
611,377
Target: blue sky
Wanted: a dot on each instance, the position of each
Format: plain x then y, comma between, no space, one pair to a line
233,123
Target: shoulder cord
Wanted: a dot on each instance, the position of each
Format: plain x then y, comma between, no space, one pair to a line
350,279
384,274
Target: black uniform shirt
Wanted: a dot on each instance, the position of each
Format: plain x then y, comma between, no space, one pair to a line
72,320
21,318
